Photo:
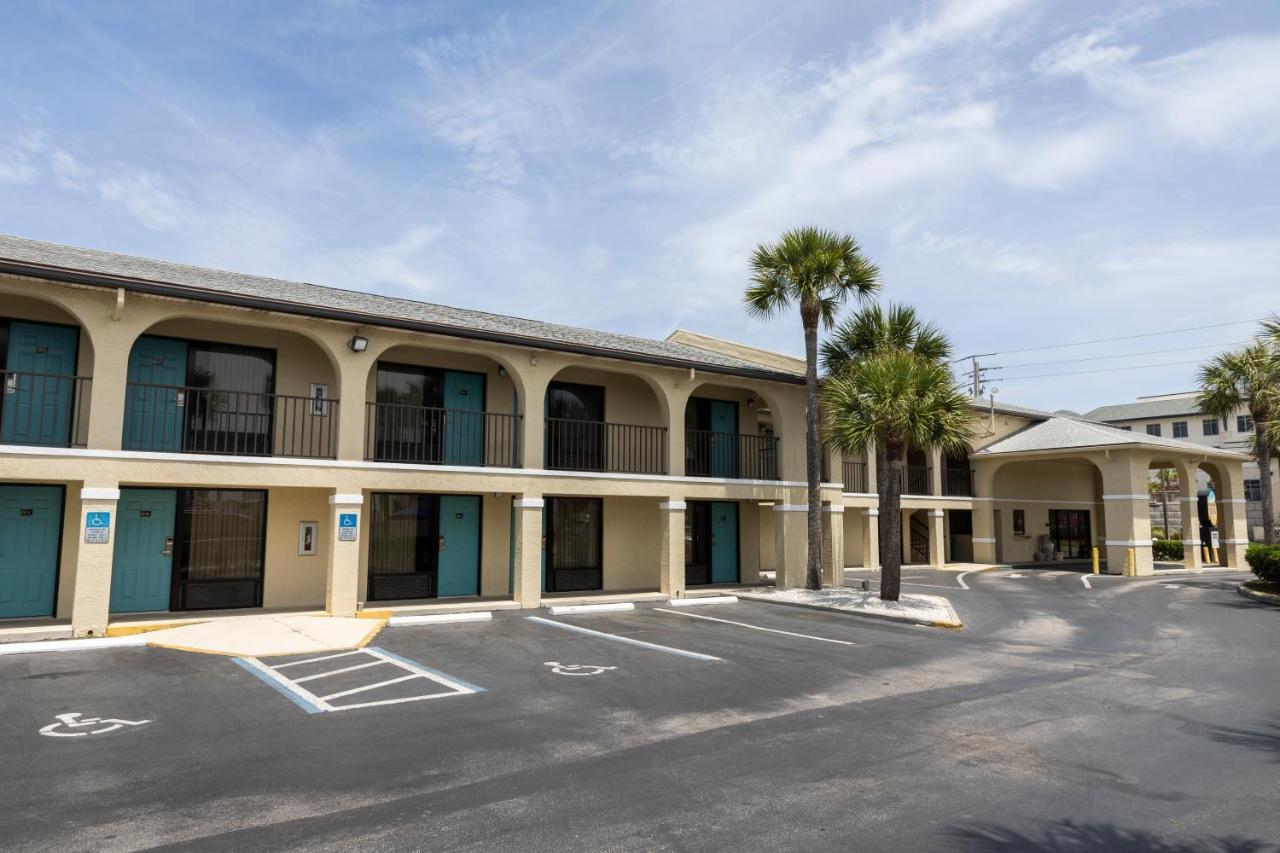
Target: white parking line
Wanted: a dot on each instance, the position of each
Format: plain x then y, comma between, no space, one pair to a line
315,704
755,627
1084,579
631,641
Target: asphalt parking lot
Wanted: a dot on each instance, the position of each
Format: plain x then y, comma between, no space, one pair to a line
1132,714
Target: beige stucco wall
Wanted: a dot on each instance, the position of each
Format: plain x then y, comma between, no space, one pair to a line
632,533
500,393
289,579
628,399
1037,487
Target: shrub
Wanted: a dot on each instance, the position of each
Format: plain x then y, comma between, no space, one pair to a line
1167,549
1265,562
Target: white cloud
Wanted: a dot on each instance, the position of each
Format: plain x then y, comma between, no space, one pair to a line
146,196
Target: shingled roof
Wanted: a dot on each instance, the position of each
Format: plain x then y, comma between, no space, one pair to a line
89,266
1058,433
1147,409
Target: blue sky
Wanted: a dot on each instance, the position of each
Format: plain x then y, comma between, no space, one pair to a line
1025,172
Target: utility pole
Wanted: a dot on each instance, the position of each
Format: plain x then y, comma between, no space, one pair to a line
977,370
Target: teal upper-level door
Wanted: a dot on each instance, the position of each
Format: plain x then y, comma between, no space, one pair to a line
142,566
724,438
724,542
30,522
154,408
463,401
458,566
39,390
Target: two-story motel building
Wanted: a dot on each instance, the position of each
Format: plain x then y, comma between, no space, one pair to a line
178,440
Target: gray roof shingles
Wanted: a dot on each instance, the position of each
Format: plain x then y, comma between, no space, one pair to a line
1146,409
1065,433
370,306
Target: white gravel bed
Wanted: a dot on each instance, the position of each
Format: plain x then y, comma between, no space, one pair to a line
918,609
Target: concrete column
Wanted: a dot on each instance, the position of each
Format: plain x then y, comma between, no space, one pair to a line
833,545
791,541
92,597
528,550
1126,509
935,472
1192,556
677,401
871,539
937,539
1233,526
671,558
984,523
342,567
112,343
533,410
869,457
906,535
352,371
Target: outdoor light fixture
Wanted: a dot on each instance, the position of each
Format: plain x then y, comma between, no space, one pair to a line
751,402
358,343
502,371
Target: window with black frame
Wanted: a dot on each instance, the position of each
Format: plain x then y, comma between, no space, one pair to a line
575,427
220,547
230,405
409,417
574,544
403,537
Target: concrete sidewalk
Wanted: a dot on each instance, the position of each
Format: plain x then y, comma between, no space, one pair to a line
263,636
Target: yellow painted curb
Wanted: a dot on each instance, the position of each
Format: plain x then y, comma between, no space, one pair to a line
177,648
377,629
374,614
131,630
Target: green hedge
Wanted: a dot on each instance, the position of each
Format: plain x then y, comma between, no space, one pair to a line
1265,562
1167,549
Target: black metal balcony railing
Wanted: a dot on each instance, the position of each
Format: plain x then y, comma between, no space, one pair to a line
573,445
179,419
43,409
855,477
957,482
915,480
739,457
396,432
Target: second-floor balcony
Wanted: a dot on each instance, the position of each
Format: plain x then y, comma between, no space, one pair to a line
854,477
583,445
185,419
43,409
957,482
427,435
730,456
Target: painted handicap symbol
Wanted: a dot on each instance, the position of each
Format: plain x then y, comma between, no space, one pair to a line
577,668
91,725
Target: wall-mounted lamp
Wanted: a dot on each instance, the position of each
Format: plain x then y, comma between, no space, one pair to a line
358,343
751,402
533,359
502,371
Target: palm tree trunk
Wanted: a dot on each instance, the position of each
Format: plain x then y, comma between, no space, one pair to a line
889,486
1264,482
813,449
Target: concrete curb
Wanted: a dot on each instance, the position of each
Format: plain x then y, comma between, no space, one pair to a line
1259,595
84,645
954,624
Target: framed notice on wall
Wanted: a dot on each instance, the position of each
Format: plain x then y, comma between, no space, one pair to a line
308,534
319,399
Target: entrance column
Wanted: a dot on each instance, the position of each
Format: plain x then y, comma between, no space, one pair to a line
984,522
833,545
95,550
1189,510
1126,509
937,539
342,570
527,588
791,543
906,535
671,558
871,539
1234,523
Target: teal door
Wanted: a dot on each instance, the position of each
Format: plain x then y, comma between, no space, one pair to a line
458,569
463,401
142,568
724,542
30,527
37,400
153,407
724,438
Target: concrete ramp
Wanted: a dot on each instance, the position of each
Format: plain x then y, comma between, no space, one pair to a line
263,636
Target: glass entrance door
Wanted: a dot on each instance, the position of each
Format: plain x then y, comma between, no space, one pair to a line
1069,531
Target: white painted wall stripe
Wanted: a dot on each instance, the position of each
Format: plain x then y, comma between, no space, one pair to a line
346,500
673,505
834,509
1143,498
529,503
99,494
984,540
790,508
1129,543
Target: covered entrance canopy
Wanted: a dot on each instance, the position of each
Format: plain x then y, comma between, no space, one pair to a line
1060,486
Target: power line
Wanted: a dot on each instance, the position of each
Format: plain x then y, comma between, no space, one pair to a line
1100,370
1122,338
1118,355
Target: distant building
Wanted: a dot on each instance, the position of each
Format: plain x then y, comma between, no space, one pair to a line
1179,416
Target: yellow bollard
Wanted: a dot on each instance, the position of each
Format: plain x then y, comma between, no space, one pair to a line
1204,551
1130,566
1095,561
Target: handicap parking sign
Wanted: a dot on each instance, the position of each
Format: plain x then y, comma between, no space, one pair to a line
97,528
347,525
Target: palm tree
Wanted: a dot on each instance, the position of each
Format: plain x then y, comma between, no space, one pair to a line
1248,377
817,271
897,401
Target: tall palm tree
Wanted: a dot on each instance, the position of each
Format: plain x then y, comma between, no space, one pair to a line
1248,377
899,401
816,271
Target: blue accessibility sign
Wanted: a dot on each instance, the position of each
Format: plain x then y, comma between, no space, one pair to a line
347,524
97,528
97,519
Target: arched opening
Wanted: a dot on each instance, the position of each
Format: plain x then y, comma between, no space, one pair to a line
431,406
46,367
605,420
731,432
1047,511
207,386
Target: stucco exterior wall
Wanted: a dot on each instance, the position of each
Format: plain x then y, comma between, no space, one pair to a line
290,579
1037,487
